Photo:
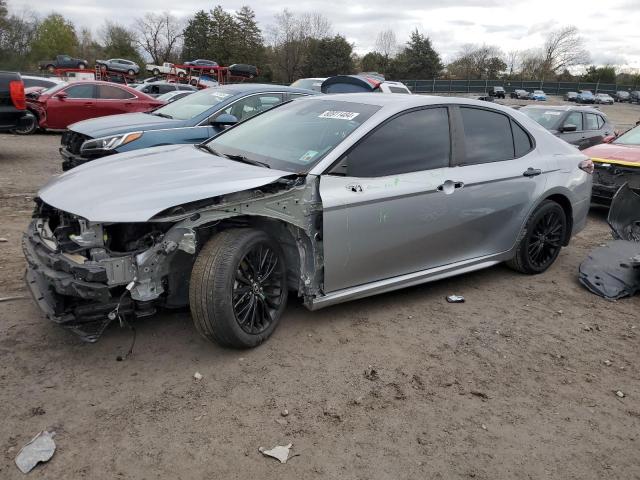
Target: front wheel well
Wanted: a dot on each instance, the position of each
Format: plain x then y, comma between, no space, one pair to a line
565,203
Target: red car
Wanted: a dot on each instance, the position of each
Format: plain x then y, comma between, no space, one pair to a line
62,105
616,163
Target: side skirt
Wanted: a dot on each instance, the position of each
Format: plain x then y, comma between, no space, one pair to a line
403,281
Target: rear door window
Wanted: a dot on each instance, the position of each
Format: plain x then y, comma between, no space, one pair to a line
108,92
590,121
411,142
487,136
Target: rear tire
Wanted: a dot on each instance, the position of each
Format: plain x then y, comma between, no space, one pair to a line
27,129
156,72
238,288
541,240
82,66
51,68
131,73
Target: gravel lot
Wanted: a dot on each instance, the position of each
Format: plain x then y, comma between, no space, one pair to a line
511,384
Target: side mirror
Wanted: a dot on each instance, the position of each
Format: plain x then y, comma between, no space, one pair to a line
61,95
569,127
224,120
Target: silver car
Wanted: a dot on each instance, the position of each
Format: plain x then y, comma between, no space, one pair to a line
333,197
120,65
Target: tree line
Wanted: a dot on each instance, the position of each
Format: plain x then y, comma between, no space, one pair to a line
293,46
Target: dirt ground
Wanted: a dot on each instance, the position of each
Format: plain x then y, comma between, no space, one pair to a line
511,384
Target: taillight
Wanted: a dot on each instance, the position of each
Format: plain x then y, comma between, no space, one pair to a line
16,90
586,166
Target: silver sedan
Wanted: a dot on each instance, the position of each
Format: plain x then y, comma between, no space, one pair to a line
333,197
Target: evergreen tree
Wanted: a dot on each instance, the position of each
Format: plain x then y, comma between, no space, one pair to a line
196,37
250,45
418,60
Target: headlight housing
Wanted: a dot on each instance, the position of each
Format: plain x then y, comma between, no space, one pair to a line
107,144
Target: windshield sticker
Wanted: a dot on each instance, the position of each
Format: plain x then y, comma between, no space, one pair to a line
552,113
308,156
338,115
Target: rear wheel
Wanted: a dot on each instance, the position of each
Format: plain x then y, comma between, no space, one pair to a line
29,128
238,288
156,72
51,68
540,242
131,73
82,66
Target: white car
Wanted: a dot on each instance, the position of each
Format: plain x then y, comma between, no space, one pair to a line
604,98
167,69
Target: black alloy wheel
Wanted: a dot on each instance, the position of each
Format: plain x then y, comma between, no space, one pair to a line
257,289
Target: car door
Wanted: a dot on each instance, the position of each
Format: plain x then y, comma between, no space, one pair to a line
578,136
112,100
497,177
79,104
383,214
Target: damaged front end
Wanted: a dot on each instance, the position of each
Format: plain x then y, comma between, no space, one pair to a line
613,270
84,274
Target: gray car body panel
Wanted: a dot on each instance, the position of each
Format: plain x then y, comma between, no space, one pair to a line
395,232
160,178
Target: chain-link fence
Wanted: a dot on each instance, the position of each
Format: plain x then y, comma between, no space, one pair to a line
482,86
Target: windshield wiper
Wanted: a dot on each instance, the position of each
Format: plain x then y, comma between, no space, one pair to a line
243,159
163,115
207,148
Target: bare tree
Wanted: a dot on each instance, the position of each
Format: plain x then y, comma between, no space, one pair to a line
290,36
512,59
477,61
159,35
316,25
386,44
564,48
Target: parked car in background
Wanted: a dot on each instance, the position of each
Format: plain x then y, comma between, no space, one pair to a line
44,82
309,83
192,119
201,64
519,94
312,197
13,107
166,68
120,65
579,126
497,92
570,96
155,89
621,96
62,105
63,61
171,97
362,83
538,95
604,99
616,163
634,97
585,96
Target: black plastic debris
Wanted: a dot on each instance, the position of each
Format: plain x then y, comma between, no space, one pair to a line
613,270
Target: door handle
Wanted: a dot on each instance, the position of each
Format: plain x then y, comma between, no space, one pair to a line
449,186
532,172
354,187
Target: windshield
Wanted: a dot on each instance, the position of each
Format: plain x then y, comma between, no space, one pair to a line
538,92
632,137
547,118
308,83
193,105
295,136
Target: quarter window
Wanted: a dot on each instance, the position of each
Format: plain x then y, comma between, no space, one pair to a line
600,122
411,142
80,91
574,118
521,140
487,136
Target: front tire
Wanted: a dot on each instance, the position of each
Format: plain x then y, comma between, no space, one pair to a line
238,288
131,73
540,243
156,72
82,66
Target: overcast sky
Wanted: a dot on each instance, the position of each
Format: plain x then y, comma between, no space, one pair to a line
611,28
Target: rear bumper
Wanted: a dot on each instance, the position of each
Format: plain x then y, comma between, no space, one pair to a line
12,118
